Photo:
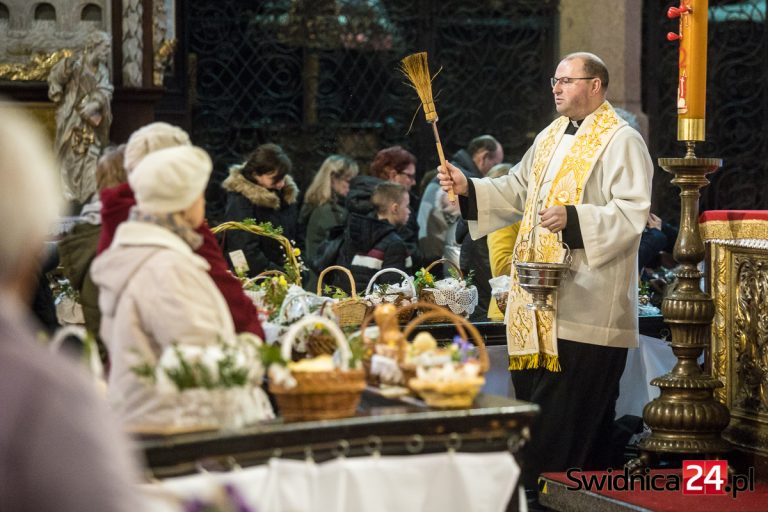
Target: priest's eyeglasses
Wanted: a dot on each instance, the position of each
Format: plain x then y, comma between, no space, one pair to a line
568,80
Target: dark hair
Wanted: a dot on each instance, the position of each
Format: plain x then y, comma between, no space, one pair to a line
387,193
593,66
483,142
396,157
265,159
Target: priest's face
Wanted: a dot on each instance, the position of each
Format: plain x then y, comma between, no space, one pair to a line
574,96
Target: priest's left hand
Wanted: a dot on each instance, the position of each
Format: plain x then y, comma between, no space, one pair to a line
554,218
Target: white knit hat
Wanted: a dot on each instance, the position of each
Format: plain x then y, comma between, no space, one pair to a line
170,180
149,138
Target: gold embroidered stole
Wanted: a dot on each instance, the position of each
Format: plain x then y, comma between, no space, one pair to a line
532,336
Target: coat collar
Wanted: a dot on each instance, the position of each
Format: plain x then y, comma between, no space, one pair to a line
257,194
135,233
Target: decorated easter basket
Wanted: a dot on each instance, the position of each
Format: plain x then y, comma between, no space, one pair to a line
298,305
322,394
460,301
399,299
351,310
464,328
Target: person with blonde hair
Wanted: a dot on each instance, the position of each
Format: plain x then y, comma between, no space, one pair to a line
323,209
118,201
60,448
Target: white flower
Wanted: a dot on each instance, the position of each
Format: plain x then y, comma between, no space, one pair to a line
281,376
210,358
191,353
169,360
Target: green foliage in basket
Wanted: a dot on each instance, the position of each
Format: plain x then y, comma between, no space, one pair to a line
267,227
220,365
270,354
423,279
275,289
334,292
469,278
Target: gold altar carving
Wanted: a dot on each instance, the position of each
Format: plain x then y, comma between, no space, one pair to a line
739,347
36,70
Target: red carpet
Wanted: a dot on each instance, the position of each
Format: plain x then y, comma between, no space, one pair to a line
669,500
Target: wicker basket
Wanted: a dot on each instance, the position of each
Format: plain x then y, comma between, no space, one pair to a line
398,299
317,342
352,310
428,294
290,257
319,395
464,328
448,395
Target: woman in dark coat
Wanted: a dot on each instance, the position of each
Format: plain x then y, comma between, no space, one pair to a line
261,189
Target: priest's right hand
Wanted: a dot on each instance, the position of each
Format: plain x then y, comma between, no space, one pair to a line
452,177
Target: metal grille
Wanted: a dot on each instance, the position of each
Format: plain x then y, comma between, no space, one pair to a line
736,103
286,71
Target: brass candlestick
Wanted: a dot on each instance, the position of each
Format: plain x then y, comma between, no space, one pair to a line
685,418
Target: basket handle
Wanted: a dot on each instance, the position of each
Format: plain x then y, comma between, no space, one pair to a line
386,270
264,275
310,320
289,300
258,230
449,262
336,267
462,326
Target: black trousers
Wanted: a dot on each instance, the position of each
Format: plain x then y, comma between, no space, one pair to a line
578,406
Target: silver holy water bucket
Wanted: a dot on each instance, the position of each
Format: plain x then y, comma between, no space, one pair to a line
541,279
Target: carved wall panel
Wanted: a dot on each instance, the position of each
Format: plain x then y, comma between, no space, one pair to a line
33,31
739,350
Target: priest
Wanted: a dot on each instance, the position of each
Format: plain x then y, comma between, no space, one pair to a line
585,188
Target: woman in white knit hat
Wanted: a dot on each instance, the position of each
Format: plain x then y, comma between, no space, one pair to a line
117,202
153,289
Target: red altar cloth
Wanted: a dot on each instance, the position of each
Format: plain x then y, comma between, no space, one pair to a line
734,224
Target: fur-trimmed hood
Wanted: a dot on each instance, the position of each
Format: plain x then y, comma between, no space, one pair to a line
257,194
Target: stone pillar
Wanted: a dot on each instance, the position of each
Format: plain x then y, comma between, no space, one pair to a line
611,29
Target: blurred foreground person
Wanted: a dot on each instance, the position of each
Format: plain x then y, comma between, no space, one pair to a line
59,447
